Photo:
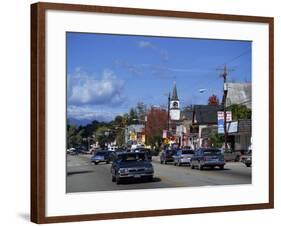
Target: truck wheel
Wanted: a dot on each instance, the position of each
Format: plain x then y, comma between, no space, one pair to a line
248,164
221,167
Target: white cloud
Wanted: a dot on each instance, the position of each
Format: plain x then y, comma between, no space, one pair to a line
145,44
164,55
85,89
89,113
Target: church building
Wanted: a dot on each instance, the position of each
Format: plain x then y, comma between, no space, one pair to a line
174,111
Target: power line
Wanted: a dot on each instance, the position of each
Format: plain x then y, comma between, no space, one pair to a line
237,57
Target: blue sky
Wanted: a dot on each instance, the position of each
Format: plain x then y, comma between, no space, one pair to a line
109,74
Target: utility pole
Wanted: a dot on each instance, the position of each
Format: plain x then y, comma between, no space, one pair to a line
224,73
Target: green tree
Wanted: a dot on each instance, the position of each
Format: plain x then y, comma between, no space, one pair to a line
74,137
104,135
119,124
133,117
240,112
216,140
141,111
120,137
157,140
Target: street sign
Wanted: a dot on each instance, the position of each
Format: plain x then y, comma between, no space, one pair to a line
220,126
232,127
220,117
228,116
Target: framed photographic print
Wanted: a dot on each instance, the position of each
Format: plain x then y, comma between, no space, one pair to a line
141,112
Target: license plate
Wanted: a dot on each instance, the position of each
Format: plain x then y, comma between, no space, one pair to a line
137,176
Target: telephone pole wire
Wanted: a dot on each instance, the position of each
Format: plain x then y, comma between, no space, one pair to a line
224,72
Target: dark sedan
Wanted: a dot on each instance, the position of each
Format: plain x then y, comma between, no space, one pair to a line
131,165
207,157
167,156
101,156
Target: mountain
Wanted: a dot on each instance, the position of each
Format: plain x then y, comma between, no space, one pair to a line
79,122
83,122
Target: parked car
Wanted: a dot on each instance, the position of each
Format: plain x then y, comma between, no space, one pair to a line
247,158
131,165
183,156
71,151
101,156
231,155
81,150
207,157
167,156
136,146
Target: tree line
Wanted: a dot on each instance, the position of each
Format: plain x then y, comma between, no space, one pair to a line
154,119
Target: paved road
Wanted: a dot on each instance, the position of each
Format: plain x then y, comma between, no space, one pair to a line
84,176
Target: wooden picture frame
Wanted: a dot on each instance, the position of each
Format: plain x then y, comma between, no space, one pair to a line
38,108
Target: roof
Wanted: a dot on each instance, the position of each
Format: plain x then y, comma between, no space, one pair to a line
239,93
186,114
205,114
175,93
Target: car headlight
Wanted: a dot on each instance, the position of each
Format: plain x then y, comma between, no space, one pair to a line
123,170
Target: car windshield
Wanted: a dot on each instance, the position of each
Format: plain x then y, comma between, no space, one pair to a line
212,152
169,152
131,157
187,152
101,153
